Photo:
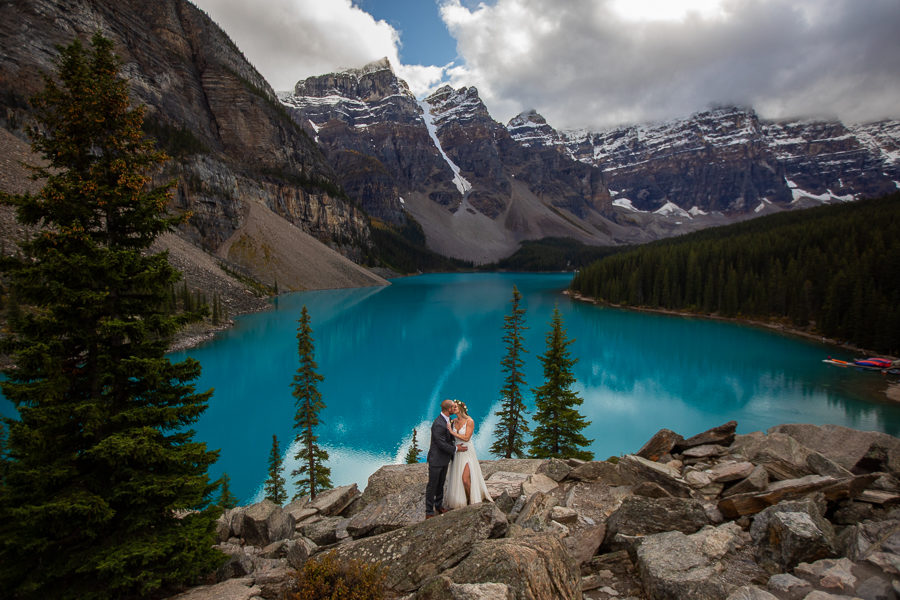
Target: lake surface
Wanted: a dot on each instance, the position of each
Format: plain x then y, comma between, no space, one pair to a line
390,355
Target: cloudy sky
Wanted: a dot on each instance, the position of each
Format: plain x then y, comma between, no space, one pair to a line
595,63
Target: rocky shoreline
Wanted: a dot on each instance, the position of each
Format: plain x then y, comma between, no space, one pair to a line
799,512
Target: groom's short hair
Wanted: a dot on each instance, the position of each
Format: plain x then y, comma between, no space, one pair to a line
446,404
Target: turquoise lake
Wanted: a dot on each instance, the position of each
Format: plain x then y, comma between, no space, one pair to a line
389,356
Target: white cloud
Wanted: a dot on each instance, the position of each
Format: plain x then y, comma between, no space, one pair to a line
588,63
289,40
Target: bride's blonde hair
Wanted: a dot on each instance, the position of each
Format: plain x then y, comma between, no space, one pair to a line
462,408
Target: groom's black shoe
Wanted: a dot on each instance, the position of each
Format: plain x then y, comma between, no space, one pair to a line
443,510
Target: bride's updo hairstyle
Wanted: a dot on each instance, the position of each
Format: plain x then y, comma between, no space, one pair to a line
462,408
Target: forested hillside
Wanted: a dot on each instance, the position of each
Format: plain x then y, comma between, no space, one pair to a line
834,270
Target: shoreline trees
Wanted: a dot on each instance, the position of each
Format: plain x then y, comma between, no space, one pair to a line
312,474
509,433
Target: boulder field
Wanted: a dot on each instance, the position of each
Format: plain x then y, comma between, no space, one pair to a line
801,512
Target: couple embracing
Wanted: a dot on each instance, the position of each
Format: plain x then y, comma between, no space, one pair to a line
452,460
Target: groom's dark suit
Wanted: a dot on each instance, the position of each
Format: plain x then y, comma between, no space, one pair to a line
440,453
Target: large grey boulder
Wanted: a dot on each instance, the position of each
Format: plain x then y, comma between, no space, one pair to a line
756,481
729,471
528,466
636,470
722,435
640,516
843,445
442,588
662,443
707,565
782,455
333,502
324,531
598,470
535,514
263,523
555,469
232,589
506,481
391,512
533,567
871,538
751,592
419,552
595,501
792,532
390,480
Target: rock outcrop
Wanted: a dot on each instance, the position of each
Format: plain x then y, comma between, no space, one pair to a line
259,190
573,529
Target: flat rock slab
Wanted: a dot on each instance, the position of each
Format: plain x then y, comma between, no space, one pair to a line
738,505
506,481
422,551
662,442
389,513
332,502
598,470
533,567
722,435
843,445
638,469
730,471
705,451
233,589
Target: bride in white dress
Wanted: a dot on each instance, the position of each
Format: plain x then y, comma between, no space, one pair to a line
465,483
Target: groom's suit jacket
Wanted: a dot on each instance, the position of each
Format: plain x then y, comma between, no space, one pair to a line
442,448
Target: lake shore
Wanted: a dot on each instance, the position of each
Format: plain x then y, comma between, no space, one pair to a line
892,389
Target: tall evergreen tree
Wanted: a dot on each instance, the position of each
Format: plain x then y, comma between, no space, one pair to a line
509,433
412,455
559,424
313,476
226,498
274,486
102,465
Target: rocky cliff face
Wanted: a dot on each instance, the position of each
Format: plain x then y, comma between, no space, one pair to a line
729,161
444,161
234,143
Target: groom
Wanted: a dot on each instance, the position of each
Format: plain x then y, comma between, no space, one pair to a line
440,453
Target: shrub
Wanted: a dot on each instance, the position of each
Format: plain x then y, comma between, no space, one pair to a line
329,578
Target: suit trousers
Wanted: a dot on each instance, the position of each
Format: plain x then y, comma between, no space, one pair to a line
434,491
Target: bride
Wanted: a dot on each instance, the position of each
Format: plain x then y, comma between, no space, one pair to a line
465,483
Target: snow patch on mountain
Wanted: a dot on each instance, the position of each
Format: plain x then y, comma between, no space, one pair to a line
458,180
670,209
829,196
625,203
696,211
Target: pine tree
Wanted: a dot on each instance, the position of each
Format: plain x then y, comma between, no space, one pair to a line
313,475
412,455
274,486
226,498
509,433
106,495
559,425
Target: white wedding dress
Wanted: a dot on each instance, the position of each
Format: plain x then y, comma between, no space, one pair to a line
454,491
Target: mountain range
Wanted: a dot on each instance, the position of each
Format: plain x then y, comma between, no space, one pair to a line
288,188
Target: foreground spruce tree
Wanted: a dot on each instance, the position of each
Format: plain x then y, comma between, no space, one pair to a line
274,486
559,425
509,433
313,476
101,465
